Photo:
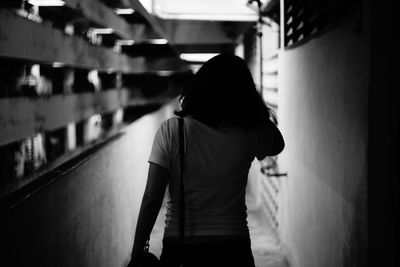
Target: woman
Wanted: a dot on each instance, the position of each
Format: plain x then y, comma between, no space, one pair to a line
226,125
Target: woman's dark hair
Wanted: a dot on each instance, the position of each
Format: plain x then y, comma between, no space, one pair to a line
223,93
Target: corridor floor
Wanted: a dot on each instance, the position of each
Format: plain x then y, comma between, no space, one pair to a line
265,245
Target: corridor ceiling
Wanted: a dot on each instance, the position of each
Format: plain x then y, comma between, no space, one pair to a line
195,26
206,26
190,26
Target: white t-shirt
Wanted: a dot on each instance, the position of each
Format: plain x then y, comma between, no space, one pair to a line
217,163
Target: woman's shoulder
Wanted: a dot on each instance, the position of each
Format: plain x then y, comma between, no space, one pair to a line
169,125
173,122
170,121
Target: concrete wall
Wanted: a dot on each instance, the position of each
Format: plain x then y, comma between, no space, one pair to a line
88,217
323,115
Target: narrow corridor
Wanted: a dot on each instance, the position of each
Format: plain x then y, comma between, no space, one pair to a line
77,77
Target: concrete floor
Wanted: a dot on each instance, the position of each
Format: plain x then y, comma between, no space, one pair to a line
265,244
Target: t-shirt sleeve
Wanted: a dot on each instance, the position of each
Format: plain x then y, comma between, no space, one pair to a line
269,142
159,152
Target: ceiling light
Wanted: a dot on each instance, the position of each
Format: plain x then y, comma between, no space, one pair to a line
124,42
102,30
197,57
210,10
157,41
165,73
124,11
58,64
210,17
46,2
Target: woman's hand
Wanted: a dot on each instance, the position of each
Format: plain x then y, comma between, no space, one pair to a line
134,262
144,260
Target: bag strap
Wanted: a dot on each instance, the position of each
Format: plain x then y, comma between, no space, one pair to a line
182,197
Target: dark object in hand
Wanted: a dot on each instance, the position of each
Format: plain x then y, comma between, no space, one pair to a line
145,259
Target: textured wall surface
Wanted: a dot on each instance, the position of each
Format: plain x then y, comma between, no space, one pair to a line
323,115
88,217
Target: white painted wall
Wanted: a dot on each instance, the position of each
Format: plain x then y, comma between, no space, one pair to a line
323,115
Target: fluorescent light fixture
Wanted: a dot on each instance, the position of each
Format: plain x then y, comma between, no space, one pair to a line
165,73
157,41
124,11
124,42
210,10
197,57
46,2
102,30
58,64
210,17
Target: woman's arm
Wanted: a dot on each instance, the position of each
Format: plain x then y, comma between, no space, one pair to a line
153,196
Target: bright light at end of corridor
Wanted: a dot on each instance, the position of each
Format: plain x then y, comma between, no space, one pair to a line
46,2
197,57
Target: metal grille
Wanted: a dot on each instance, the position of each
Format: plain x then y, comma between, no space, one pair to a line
270,191
270,77
306,19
